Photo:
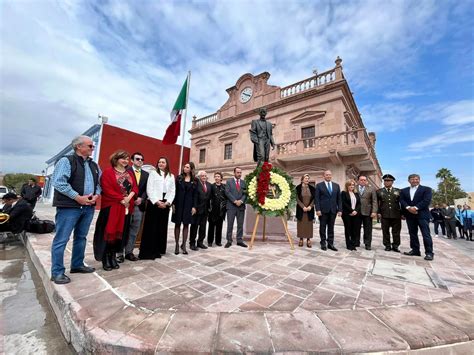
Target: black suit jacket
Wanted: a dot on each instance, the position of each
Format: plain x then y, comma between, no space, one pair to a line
421,200
347,205
202,200
141,186
325,202
20,214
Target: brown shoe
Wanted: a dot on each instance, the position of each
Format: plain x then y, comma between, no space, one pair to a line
308,243
300,244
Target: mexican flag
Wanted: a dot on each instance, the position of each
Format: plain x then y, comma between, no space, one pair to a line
174,129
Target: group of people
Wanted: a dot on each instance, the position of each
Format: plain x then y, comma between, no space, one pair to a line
359,204
450,219
133,200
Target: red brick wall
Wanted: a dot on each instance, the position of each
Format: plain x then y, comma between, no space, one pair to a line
114,138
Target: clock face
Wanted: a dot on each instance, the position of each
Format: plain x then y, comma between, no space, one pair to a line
245,95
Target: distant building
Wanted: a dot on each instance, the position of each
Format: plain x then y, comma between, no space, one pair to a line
317,126
108,139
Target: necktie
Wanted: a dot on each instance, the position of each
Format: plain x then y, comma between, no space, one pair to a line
237,184
204,187
362,188
329,188
137,175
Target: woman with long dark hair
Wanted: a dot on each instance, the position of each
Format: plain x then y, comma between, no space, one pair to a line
183,204
305,211
160,190
116,208
351,214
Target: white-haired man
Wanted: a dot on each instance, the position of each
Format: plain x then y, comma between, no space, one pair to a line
201,203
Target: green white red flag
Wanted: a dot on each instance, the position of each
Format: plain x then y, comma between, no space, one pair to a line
174,129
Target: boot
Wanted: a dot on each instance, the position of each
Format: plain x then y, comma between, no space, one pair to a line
113,261
106,262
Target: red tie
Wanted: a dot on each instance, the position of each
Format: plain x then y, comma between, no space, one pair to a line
237,184
204,187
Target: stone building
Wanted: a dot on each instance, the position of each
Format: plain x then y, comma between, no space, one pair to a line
316,126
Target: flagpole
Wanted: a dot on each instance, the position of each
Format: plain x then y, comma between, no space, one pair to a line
188,80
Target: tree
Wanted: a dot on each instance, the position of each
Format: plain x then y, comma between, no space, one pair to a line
15,181
449,188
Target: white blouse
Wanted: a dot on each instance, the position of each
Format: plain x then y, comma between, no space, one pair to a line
159,184
353,200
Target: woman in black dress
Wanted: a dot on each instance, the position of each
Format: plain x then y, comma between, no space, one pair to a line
160,189
218,211
183,204
350,214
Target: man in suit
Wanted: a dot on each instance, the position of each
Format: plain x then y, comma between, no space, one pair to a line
438,220
368,209
415,201
31,192
20,213
201,203
389,211
236,193
262,138
328,205
141,178
449,217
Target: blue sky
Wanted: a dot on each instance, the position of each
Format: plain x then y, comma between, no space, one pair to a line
410,65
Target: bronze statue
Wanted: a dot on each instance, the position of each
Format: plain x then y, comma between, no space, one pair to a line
262,138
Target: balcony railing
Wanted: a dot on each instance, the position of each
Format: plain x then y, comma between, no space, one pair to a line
310,83
203,121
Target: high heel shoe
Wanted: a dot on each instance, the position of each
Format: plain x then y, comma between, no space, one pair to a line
176,250
183,248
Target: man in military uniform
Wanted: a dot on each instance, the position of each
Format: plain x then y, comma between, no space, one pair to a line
389,211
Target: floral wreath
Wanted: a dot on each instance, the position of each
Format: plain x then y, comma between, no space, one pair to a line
266,181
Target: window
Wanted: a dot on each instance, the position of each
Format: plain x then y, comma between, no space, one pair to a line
307,133
228,151
202,156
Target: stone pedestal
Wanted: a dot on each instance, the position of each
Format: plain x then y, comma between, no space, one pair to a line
274,228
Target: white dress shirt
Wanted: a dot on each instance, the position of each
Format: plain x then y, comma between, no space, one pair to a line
159,184
413,191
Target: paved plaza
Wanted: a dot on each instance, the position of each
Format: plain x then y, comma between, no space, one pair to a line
268,299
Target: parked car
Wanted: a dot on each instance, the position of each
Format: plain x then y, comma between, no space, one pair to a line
3,191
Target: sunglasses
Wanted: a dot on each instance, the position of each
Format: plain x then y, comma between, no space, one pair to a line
139,159
91,146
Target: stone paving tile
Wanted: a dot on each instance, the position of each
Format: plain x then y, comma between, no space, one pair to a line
257,276
286,303
131,292
243,333
209,299
163,300
149,286
199,333
187,292
293,290
125,320
268,297
252,307
342,301
85,285
201,286
296,331
229,303
418,327
359,331
319,300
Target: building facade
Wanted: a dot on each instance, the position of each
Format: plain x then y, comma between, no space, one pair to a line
316,126
108,139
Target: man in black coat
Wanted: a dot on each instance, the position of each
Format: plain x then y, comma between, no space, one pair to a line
201,203
141,178
20,213
328,206
389,211
449,216
30,192
438,220
415,201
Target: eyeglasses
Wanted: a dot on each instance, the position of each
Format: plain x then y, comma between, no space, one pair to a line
139,159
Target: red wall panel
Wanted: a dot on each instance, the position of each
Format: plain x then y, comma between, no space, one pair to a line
114,138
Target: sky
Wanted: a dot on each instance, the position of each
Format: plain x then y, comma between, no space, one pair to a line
409,64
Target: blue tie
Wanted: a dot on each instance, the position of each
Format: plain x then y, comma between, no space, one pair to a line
329,188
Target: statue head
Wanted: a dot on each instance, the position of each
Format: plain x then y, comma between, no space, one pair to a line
263,112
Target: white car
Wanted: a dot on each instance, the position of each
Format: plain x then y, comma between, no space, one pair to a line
3,191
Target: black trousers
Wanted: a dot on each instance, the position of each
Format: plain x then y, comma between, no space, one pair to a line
351,230
215,229
326,222
366,222
413,225
451,228
396,225
200,225
438,224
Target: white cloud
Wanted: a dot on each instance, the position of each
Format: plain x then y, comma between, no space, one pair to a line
447,137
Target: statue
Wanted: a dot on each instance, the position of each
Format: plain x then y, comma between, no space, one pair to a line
262,138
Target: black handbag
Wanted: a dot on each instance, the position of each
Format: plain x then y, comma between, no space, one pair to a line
40,226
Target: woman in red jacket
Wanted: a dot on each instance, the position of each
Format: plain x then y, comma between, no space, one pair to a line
118,191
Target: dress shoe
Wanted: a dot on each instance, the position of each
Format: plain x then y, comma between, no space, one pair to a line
82,270
412,253
183,248
131,257
388,248
367,247
193,247
429,257
323,247
209,245
219,244
176,250
332,247
308,243
120,258
228,245
202,246
357,245
60,279
301,243
395,249
242,244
